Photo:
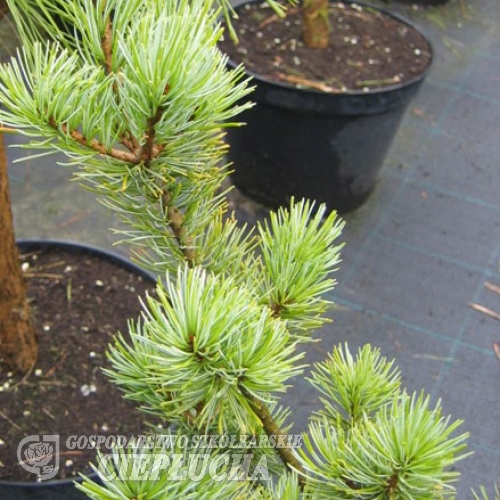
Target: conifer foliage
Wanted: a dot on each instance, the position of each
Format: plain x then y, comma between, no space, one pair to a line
137,96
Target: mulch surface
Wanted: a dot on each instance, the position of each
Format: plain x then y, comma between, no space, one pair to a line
368,49
78,303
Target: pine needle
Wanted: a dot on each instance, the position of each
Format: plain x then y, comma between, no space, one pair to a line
485,310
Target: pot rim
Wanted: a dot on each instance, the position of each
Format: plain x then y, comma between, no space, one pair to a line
110,255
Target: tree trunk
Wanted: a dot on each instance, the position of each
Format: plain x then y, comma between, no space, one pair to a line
18,342
316,24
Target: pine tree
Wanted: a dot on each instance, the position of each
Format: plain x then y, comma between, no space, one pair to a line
137,95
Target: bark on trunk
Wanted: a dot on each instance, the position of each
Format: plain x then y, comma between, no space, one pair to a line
316,25
18,342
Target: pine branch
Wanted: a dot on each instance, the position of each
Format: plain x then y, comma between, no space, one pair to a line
272,429
130,142
150,150
94,144
107,46
176,222
147,153
392,485
137,154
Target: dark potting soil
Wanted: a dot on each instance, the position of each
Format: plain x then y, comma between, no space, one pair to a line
4,8
78,303
368,49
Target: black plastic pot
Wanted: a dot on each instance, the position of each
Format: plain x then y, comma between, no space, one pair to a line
62,489
322,146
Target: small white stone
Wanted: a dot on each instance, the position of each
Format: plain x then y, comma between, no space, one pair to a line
92,354
99,283
67,269
2,442
259,34
10,374
68,463
84,328
25,266
387,50
277,40
6,385
85,390
46,328
354,41
104,427
26,413
296,60
38,372
417,52
1,388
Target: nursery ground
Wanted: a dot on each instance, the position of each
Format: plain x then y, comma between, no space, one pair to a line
418,255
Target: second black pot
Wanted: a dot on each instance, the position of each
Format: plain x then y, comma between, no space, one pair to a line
322,146
64,489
